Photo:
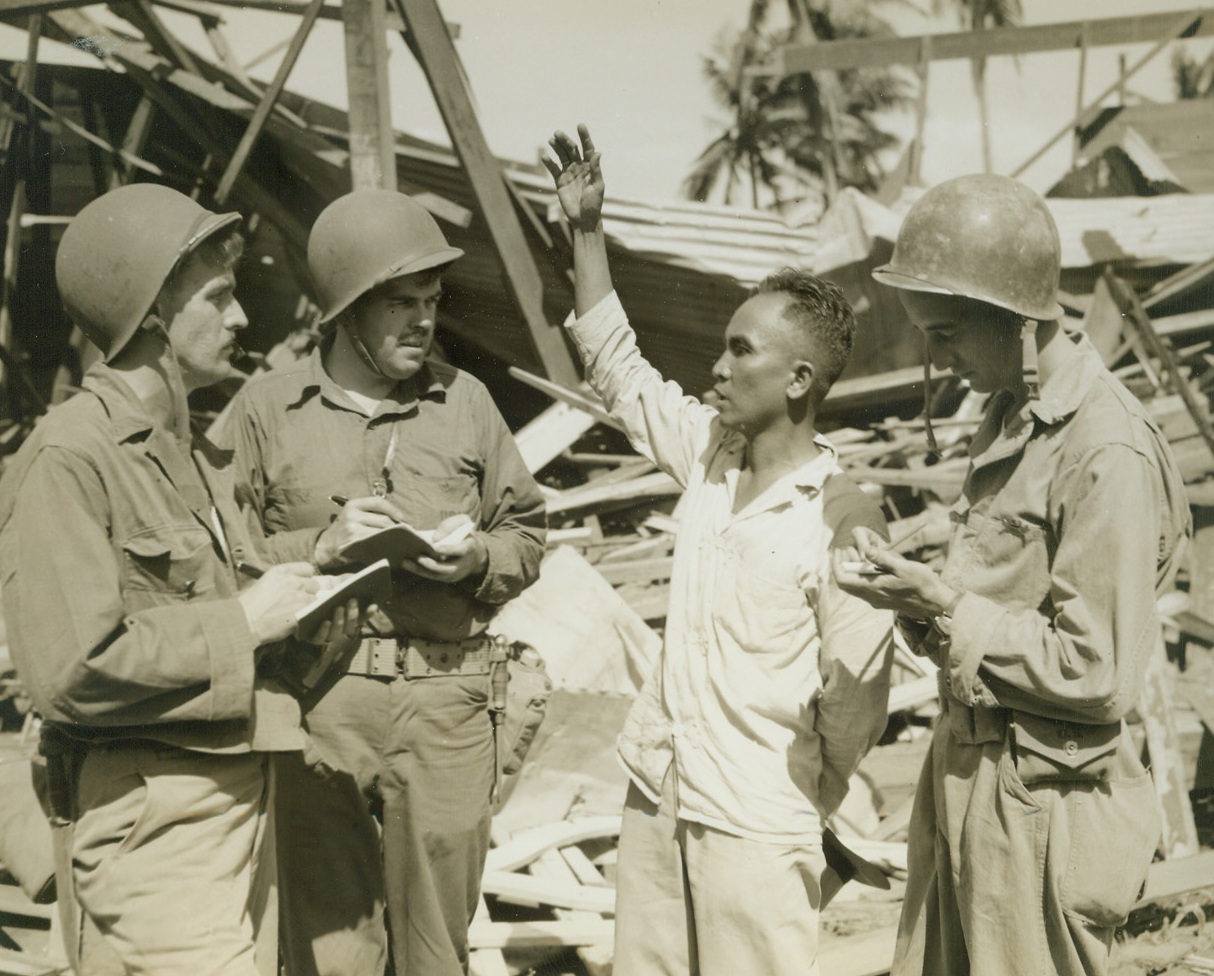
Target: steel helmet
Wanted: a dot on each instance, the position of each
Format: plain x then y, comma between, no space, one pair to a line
985,237
367,237
117,253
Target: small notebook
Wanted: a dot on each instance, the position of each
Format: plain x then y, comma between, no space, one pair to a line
373,584
402,543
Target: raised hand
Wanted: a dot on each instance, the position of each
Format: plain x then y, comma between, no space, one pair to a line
578,177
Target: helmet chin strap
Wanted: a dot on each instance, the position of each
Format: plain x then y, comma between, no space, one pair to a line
1028,358
932,448
361,350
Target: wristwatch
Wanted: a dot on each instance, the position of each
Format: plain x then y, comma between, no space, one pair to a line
942,625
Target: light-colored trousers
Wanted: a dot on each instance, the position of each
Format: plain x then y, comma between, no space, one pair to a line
694,900
174,862
1013,880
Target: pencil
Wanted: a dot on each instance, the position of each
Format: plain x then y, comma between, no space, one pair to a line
904,537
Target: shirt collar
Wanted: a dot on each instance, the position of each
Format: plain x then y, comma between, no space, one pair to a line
128,416
810,477
1066,389
321,383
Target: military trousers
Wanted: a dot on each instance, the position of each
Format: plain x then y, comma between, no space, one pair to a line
386,813
1015,878
172,856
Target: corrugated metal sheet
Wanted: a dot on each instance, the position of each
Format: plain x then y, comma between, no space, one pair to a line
1173,229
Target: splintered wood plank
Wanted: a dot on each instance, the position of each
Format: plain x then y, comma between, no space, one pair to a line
484,960
545,437
531,935
527,845
658,484
1167,879
520,889
1167,767
554,865
583,868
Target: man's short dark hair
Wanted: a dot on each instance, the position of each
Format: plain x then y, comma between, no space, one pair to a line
824,316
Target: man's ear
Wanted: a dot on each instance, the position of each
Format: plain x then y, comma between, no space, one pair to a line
801,380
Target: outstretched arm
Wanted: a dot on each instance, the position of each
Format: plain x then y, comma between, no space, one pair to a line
579,187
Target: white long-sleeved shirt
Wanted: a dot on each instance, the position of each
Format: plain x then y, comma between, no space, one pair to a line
772,683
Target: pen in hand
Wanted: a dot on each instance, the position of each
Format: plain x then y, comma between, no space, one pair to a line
338,500
250,571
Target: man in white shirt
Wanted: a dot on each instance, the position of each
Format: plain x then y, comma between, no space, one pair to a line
772,683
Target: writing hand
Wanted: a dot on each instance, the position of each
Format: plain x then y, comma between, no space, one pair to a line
898,583
358,518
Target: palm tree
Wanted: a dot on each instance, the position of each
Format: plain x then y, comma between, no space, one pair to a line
980,15
803,132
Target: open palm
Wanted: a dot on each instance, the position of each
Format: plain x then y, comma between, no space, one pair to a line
578,177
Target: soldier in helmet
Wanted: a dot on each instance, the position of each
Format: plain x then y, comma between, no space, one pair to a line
393,805
1035,822
120,543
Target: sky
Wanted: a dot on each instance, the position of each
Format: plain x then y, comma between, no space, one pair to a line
631,70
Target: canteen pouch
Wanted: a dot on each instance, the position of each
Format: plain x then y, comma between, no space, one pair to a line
527,695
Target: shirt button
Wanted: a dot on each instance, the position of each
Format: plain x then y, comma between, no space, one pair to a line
1071,747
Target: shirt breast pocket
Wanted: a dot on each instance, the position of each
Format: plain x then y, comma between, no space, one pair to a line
762,615
1002,554
428,497
168,565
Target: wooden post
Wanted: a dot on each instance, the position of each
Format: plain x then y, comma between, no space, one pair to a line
1118,85
914,174
436,53
1179,829
1083,70
12,240
372,142
134,140
262,112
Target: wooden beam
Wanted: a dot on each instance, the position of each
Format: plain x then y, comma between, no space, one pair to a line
372,140
264,107
1167,879
436,53
530,935
1118,84
1071,35
163,41
18,10
135,139
1131,308
582,398
327,12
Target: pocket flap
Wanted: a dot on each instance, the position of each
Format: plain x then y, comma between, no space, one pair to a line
147,547
1069,744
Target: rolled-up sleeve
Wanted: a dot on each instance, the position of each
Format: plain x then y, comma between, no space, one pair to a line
83,657
513,515
855,660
